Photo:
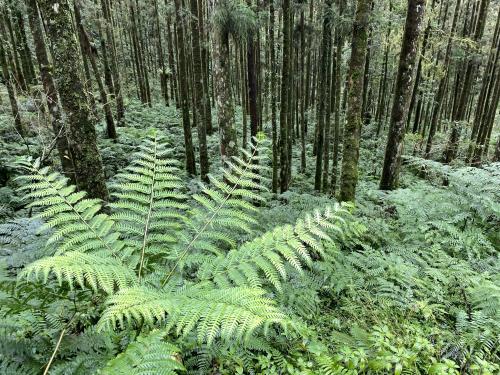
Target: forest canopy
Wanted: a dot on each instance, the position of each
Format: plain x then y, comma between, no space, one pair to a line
249,187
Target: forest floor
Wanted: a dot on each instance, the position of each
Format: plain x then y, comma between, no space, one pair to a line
419,288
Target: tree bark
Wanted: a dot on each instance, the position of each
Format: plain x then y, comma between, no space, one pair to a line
183,90
352,130
49,87
402,95
81,130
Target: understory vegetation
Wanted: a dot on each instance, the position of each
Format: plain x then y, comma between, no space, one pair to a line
249,187
175,276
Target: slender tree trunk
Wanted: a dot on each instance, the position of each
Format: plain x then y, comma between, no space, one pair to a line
9,83
199,92
274,126
183,90
442,85
285,91
324,82
81,130
451,150
88,50
402,95
349,178
49,88
110,42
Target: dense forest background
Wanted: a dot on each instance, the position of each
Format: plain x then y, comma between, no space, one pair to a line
249,187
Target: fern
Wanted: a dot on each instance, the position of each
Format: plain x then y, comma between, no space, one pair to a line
150,205
149,354
77,223
269,254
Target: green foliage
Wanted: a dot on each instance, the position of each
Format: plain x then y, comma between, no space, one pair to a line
160,258
149,354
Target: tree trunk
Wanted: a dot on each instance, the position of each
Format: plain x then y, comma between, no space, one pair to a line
352,130
285,92
9,83
183,90
49,88
402,95
88,50
81,130
273,93
442,85
199,92
323,88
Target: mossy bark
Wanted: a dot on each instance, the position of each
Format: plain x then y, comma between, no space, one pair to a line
402,95
81,131
352,130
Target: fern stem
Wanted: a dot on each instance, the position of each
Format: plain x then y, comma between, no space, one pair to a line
209,221
54,352
146,225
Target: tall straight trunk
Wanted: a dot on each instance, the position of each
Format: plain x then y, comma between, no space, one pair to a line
9,82
402,95
285,91
16,64
379,115
139,67
199,92
323,88
172,64
81,131
442,85
160,57
183,90
110,42
87,49
417,91
307,87
224,96
252,82
205,68
487,126
26,61
366,76
303,91
352,130
339,40
451,150
50,91
486,88
272,67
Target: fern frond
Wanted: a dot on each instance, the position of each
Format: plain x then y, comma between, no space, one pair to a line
149,354
150,202
100,273
75,221
266,257
230,313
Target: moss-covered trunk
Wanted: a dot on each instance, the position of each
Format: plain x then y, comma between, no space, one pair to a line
81,131
352,130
